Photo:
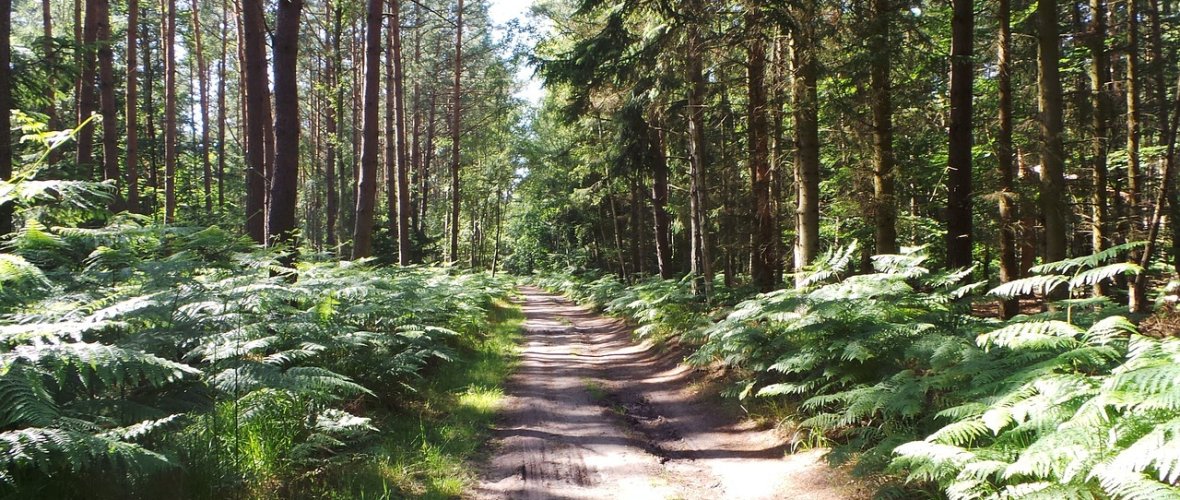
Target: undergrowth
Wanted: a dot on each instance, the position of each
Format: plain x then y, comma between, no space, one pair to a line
184,362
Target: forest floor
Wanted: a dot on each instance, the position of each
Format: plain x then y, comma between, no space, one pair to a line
592,414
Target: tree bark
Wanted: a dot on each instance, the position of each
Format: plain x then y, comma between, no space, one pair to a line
6,223
170,88
149,106
763,259
959,206
1100,124
257,97
132,109
203,94
106,96
51,62
1009,269
702,262
1131,87
366,190
280,225
390,157
456,136
806,104
884,206
335,110
86,97
1052,129
404,251
659,204
221,110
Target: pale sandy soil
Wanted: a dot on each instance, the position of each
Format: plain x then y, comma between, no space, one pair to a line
592,414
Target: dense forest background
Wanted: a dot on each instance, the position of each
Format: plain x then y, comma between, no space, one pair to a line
220,215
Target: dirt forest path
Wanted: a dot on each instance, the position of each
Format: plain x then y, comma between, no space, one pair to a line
592,414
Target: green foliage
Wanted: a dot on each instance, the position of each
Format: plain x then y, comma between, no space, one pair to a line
153,352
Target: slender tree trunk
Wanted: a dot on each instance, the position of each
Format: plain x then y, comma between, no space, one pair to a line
1052,129
170,87
280,228
456,135
221,111
763,258
1100,123
203,93
702,262
659,204
335,110
415,141
1131,87
1138,299
1008,266
51,62
428,160
6,223
149,107
107,104
884,206
366,190
132,109
404,252
390,157
257,97
959,223
806,105
86,97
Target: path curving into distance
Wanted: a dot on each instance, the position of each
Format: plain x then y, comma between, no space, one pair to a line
590,414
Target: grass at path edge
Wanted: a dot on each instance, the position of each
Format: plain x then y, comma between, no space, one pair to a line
425,450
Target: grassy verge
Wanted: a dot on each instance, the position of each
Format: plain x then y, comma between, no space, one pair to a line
424,449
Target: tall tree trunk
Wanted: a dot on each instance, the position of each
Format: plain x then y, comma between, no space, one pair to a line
390,156
366,189
806,104
221,111
132,109
280,223
149,107
416,133
763,259
335,110
884,206
456,136
6,225
106,96
1100,123
958,213
86,98
428,159
170,87
1052,129
202,70
702,262
1008,266
1131,87
51,62
404,252
659,203
257,97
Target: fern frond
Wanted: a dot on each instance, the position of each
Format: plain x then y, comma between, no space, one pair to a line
1030,285
1107,272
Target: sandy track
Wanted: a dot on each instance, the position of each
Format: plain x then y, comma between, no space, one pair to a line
591,414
